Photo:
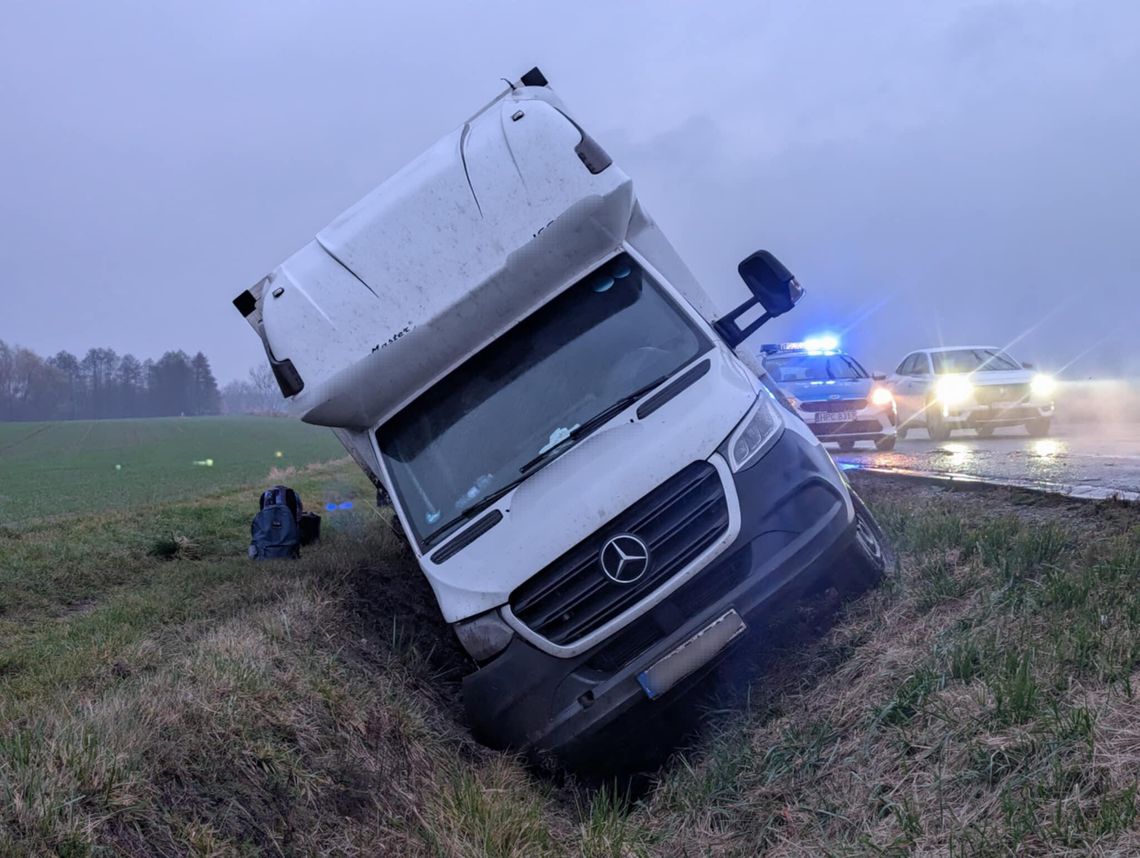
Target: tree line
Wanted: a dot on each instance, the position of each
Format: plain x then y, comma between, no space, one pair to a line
104,384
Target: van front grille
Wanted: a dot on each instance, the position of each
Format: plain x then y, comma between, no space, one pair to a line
677,521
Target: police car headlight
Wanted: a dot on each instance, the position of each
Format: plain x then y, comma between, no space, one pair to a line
1043,386
755,432
881,397
953,390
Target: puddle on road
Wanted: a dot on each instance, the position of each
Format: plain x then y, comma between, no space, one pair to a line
1046,464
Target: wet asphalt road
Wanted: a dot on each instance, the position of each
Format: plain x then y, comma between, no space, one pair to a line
1089,460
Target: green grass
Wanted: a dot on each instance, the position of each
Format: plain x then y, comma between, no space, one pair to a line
161,695
88,466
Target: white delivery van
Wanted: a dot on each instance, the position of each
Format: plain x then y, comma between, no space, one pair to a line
602,495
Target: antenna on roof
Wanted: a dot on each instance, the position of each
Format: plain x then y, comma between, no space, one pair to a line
511,85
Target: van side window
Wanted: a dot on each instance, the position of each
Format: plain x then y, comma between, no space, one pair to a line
922,364
907,367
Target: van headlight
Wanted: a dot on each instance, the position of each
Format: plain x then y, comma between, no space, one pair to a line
755,432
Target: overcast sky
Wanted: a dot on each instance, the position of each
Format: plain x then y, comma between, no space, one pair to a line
933,172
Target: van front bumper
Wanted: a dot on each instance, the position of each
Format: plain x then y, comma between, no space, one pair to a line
796,521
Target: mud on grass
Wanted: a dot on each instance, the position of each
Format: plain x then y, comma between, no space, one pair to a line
188,702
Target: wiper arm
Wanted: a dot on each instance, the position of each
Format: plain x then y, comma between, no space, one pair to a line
469,513
583,429
576,434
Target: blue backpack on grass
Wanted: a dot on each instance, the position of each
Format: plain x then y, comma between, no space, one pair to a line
275,531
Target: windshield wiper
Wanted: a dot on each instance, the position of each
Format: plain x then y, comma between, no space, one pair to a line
583,429
576,434
469,513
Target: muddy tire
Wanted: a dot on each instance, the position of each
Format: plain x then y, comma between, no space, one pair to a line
985,431
870,555
846,446
886,444
902,432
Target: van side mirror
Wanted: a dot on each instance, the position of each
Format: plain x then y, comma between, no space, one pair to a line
773,287
878,376
770,283
1027,365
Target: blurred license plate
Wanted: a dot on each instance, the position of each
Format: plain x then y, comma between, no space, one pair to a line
696,651
834,416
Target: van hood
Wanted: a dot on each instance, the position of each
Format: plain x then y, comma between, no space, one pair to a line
579,492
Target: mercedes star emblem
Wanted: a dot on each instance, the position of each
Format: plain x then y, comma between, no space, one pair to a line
624,558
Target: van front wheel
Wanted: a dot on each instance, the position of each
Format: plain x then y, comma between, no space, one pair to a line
870,554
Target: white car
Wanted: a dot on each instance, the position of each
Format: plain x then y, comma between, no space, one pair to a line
970,387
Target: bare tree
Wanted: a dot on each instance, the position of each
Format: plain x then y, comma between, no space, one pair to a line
265,386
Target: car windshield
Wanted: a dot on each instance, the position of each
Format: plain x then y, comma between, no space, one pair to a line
487,424
806,367
972,360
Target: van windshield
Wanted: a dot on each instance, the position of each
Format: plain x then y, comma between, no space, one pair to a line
485,425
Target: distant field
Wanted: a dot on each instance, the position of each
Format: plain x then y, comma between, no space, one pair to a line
63,468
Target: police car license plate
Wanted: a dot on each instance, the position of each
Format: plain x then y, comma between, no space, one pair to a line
834,416
696,651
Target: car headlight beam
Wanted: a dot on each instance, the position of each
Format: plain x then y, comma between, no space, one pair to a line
953,389
1043,386
881,397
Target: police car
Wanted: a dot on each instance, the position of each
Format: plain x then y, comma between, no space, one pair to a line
832,392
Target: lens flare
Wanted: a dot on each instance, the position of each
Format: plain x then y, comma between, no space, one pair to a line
1043,386
821,343
882,397
953,389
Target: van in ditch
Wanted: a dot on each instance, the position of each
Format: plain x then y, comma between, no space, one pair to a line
603,496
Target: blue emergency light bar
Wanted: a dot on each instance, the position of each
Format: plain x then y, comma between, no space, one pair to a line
823,343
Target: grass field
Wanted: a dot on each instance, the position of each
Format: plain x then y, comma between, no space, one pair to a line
174,702
63,468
